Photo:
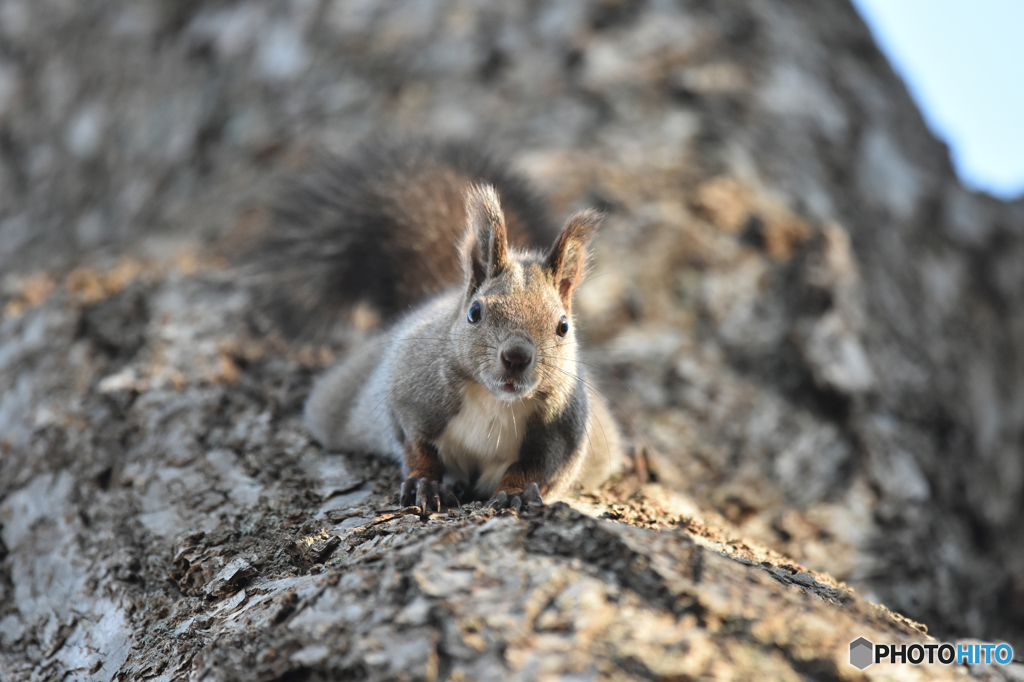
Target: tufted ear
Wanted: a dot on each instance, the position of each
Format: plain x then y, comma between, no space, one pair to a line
484,247
567,259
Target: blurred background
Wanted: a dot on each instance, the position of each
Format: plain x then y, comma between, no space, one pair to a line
961,65
807,304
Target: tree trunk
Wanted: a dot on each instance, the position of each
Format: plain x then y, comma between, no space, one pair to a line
813,328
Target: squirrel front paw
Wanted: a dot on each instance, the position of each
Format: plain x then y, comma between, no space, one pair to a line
530,497
427,494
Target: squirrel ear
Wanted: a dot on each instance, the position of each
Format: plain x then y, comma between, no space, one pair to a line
484,247
568,257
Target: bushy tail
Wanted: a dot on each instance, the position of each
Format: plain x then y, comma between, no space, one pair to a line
380,226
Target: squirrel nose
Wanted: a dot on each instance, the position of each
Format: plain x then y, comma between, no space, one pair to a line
516,358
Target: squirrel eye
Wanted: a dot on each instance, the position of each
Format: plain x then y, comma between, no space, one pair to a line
474,313
563,327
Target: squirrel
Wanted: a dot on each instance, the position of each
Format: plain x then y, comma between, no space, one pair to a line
476,390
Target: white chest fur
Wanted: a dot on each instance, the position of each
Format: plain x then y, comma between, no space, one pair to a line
484,438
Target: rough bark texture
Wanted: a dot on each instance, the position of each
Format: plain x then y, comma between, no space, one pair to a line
795,303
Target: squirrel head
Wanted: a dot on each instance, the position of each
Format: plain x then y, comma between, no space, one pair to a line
515,333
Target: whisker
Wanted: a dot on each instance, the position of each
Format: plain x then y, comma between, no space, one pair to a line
501,424
514,418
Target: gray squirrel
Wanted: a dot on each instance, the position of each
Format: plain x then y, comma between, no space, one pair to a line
477,389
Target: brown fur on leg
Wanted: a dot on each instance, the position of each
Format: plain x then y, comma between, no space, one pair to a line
422,461
516,490
516,479
424,485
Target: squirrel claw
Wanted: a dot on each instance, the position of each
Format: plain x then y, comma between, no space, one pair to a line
528,498
427,494
531,496
448,495
499,501
428,497
408,497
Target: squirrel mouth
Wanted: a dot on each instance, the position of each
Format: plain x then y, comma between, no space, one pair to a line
509,389
508,386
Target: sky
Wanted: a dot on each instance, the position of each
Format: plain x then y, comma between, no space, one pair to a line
963,62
